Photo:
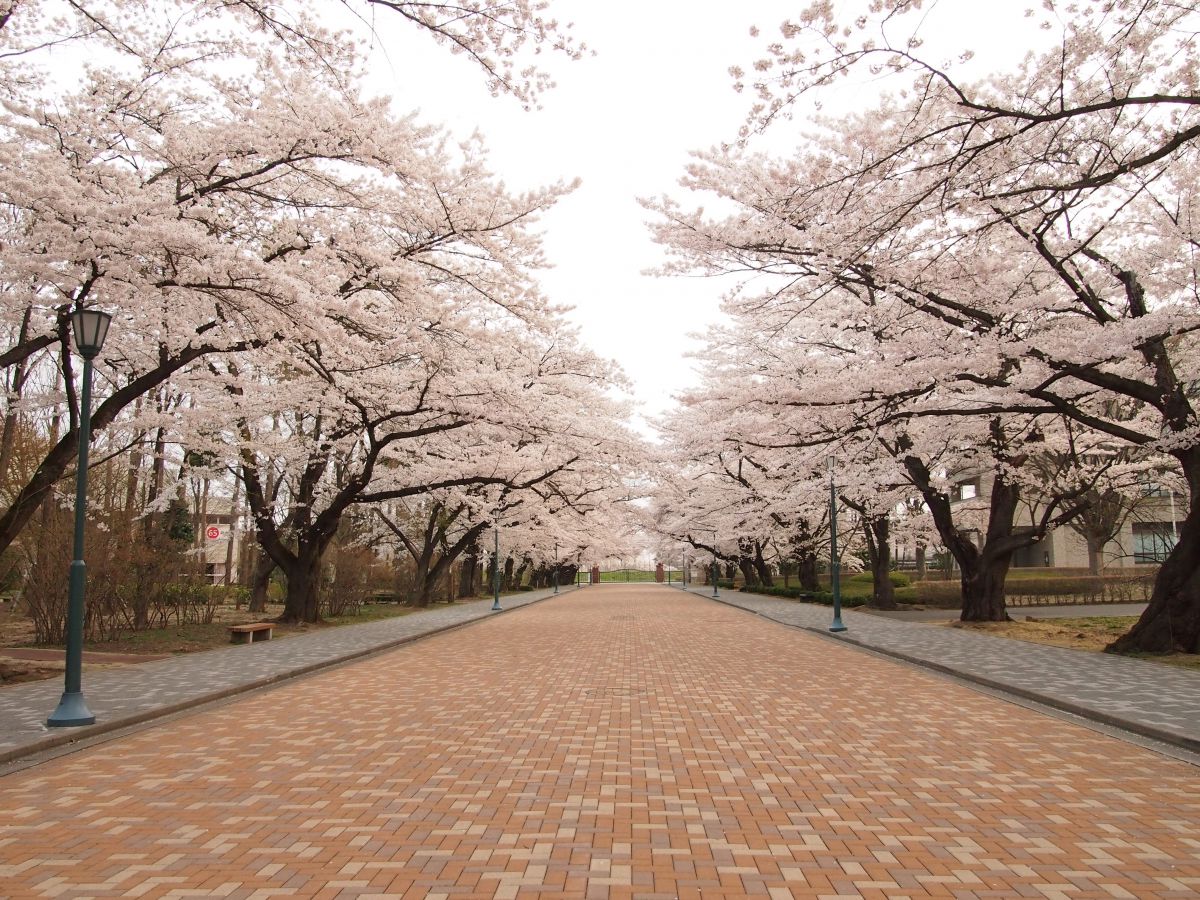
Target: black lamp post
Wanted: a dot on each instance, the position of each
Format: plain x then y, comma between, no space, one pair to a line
835,566
90,327
556,568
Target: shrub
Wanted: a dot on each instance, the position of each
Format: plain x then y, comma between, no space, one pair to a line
189,603
348,574
823,597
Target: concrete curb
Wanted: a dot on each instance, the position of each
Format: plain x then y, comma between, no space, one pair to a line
88,733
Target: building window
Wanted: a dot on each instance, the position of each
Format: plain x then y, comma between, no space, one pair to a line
966,490
1152,541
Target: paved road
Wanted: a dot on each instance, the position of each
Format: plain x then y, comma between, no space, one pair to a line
614,742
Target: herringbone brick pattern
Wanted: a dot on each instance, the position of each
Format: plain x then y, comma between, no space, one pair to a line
618,742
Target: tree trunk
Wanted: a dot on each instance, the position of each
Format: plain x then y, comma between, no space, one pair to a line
983,570
879,549
421,577
761,567
525,567
16,388
260,581
303,600
436,571
921,550
983,589
509,565
807,571
877,529
1094,554
1171,623
231,536
158,469
468,586
746,564
133,476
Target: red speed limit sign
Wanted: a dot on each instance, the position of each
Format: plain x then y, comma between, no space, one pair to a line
213,532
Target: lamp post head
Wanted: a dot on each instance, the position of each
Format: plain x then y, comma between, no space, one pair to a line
90,327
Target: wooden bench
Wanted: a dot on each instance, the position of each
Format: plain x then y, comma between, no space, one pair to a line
247,634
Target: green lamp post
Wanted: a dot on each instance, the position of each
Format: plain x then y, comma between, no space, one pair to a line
90,327
834,565
715,572
496,565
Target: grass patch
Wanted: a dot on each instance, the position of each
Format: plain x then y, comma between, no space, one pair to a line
627,575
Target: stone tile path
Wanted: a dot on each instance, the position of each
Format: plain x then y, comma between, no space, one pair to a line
1158,701
615,742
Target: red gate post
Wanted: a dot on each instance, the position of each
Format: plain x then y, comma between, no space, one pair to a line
659,575
595,574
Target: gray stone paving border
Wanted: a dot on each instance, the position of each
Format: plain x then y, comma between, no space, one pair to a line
1133,719
34,702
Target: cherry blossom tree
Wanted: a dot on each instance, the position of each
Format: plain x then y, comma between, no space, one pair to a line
897,428
338,300
186,170
1030,235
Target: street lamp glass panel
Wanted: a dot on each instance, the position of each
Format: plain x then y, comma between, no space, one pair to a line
831,463
91,328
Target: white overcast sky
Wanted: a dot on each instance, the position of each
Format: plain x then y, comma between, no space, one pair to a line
623,122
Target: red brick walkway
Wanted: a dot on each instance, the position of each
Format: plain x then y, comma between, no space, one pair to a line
620,741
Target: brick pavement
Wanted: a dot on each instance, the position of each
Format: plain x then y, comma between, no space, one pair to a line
1158,701
615,742
127,696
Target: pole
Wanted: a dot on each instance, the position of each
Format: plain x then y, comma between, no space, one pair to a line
72,708
496,566
715,570
834,565
556,568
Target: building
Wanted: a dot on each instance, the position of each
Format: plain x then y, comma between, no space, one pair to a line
1147,532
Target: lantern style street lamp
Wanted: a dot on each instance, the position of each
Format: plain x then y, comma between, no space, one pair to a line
716,595
90,327
496,564
834,565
